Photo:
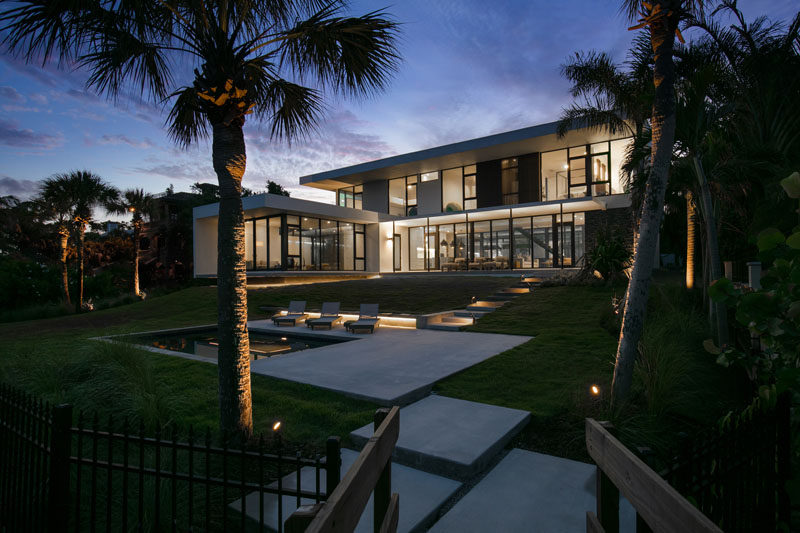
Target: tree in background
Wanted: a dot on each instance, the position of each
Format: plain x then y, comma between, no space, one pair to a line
141,206
276,188
243,54
56,206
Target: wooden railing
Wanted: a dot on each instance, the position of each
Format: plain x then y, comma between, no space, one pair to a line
372,471
659,507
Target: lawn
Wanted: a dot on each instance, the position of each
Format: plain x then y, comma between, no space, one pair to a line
574,348
53,359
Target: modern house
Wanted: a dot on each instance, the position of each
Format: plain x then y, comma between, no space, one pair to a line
525,199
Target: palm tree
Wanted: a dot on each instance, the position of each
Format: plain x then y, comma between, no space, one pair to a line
244,54
141,205
83,192
56,206
661,18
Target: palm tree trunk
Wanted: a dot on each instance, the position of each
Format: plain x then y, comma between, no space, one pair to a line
691,225
136,235
721,315
235,400
662,36
81,241
63,235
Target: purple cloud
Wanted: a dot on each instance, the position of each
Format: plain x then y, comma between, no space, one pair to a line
12,135
123,139
10,94
22,189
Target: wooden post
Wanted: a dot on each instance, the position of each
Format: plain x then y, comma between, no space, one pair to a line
646,455
383,488
299,520
607,495
333,464
60,450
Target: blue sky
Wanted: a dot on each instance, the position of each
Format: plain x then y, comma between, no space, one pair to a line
470,68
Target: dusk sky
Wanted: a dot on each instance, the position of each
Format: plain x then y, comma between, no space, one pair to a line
468,70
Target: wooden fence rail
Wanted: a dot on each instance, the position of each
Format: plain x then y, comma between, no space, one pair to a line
370,472
660,506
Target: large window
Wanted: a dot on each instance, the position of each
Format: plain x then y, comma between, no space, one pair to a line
347,256
554,175
416,247
522,243
481,240
544,255
509,175
452,190
403,196
470,187
501,240
328,237
577,172
352,197
262,243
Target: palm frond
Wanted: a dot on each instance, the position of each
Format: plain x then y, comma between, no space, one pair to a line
186,122
292,110
39,29
354,55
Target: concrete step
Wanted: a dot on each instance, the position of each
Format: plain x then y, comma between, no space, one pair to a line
446,327
457,320
486,306
451,437
516,289
537,492
467,313
422,493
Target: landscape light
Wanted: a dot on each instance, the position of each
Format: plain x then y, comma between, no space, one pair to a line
276,426
595,390
283,339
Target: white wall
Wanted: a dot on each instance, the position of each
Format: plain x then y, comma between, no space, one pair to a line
386,246
205,246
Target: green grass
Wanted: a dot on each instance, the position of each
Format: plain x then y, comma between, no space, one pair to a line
677,384
53,358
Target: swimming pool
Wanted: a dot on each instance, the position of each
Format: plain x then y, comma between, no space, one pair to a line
205,343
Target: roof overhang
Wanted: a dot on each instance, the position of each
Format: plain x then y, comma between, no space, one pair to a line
273,204
539,138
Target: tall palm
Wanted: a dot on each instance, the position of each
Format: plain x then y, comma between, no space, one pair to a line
56,206
272,58
85,192
661,19
141,206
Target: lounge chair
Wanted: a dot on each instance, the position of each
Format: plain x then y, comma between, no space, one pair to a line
367,319
328,317
295,315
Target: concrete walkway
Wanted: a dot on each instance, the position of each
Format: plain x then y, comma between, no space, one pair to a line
393,366
451,437
530,492
421,496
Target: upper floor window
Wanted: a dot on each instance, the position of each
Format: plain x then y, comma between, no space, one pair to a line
509,177
429,176
351,197
403,196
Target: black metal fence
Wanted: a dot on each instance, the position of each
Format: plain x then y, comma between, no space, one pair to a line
62,477
736,475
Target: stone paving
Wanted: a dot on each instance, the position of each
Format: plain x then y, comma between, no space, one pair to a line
393,366
530,492
451,437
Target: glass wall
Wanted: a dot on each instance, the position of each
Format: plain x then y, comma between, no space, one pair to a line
470,187
554,176
452,190
524,242
311,244
351,197
397,197
509,177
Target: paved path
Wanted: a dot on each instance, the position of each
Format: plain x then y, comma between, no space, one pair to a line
451,437
421,496
393,366
529,492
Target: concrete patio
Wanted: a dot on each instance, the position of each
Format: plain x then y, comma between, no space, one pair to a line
393,366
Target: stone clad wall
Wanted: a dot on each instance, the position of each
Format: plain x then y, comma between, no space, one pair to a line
621,220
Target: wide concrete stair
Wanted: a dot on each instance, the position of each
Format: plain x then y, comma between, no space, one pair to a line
423,495
451,437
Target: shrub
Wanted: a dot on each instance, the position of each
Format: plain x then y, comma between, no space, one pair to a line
610,255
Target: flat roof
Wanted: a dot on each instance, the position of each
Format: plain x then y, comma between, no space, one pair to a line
540,138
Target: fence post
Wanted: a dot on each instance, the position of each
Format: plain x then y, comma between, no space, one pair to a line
60,450
383,488
333,465
646,455
607,495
